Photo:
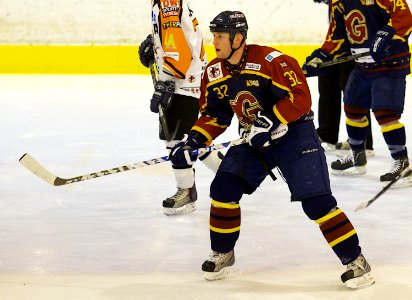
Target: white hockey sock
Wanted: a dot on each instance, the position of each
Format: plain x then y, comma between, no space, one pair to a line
185,178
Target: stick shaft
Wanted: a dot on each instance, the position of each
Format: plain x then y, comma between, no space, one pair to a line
365,204
343,59
37,169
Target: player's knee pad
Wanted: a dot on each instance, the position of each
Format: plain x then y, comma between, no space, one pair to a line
384,116
318,206
227,187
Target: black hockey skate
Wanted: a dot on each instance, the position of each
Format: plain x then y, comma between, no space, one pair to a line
342,149
358,274
353,163
182,202
218,265
399,165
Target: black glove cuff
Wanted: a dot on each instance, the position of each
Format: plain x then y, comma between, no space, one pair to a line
201,140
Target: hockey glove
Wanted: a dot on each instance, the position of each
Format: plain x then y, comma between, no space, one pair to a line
181,155
146,53
163,95
381,44
311,67
243,132
265,129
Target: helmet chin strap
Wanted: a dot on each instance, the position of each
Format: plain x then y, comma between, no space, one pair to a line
234,49
235,69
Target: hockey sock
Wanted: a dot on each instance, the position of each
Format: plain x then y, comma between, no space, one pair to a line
340,234
357,133
185,178
395,138
226,191
224,225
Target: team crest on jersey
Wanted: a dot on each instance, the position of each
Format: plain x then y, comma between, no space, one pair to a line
252,66
214,71
246,106
191,78
272,55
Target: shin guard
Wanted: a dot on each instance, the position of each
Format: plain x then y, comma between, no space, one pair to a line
340,235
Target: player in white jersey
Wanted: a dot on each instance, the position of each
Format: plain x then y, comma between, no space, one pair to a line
175,46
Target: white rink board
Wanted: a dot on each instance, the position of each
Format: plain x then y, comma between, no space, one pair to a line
128,21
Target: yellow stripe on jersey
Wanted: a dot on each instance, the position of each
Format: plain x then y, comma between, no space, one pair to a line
204,132
278,115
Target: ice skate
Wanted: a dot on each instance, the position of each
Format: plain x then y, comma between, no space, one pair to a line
182,202
219,265
399,168
342,148
358,274
353,163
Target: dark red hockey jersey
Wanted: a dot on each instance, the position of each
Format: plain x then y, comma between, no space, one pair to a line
354,24
268,81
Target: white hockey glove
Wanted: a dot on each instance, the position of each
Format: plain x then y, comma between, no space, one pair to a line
265,129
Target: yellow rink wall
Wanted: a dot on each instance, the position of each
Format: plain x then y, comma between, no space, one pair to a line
97,59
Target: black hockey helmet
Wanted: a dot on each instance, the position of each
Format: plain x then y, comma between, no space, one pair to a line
230,21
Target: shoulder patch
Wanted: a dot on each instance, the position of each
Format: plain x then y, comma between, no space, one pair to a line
272,55
214,71
253,66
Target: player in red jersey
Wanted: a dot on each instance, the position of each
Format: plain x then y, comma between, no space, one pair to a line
381,27
267,91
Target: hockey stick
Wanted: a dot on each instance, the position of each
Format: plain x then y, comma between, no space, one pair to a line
365,204
169,136
343,59
37,169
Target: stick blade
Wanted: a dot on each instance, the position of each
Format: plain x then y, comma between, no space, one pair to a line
361,206
37,169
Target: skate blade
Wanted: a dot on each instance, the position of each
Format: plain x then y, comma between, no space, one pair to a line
401,183
211,276
360,282
185,209
353,171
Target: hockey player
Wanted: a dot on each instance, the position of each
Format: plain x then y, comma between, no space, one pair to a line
378,81
176,47
330,87
267,91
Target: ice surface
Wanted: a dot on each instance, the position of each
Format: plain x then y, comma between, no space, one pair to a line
107,238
